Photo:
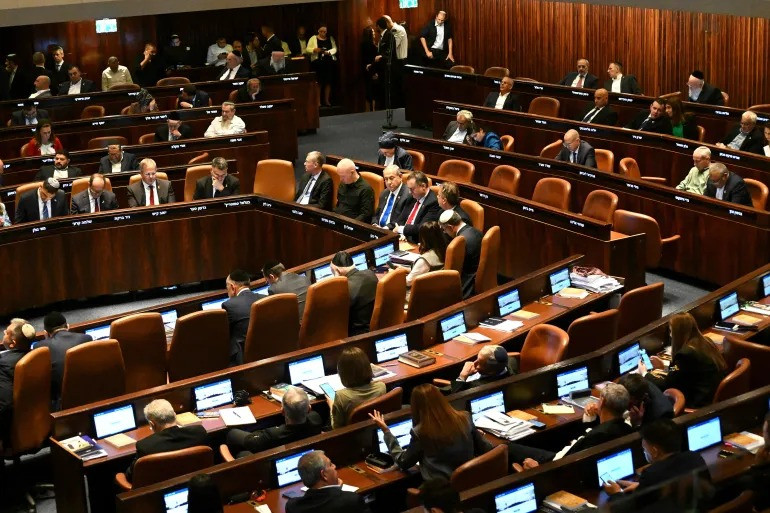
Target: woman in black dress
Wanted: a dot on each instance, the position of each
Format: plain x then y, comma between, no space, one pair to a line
368,53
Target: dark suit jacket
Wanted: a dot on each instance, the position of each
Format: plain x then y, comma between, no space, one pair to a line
657,405
204,189
628,85
586,155
601,433
243,72
659,125
199,99
606,116
710,95
511,103
59,344
17,117
294,284
398,204
285,433
753,142
459,386
238,310
161,133
170,439
589,81
129,163
450,129
323,190
677,465
473,238
429,211
81,203
264,68
21,87
271,45
61,76
429,33
86,87
244,97
362,286
735,191
402,159
163,188
327,500
27,210
47,172
694,374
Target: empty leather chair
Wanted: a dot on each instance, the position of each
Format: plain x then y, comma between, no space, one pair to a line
629,167
741,504
481,469
432,292
127,87
191,176
489,259
497,72
677,400
327,308
389,300
639,307
418,160
456,171
455,255
377,184
462,69
762,107
505,178
592,332
335,176
167,81
758,192
203,157
142,339
233,96
701,133
544,345
81,184
600,205
25,149
274,179
135,178
146,138
155,468
92,372
386,403
103,142
273,327
734,349
507,142
544,106
605,160
475,212
92,111
736,383
24,189
553,192
631,223
200,333
31,419
552,150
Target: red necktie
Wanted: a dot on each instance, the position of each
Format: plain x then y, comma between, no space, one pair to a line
413,213
96,205
580,82
152,194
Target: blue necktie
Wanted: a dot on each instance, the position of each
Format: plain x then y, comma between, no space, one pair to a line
574,157
46,214
388,208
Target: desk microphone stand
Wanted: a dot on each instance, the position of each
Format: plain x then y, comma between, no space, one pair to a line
388,91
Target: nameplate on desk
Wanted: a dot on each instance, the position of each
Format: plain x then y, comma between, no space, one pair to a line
453,109
6,166
290,79
97,123
133,93
483,196
493,156
155,117
527,209
721,113
236,139
543,164
682,145
160,213
681,198
374,236
404,140
10,193
587,174
580,93
46,160
239,83
66,185
328,221
447,148
577,223
734,212
39,229
84,222
587,129
124,217
198,209
624,99
730,156
632,186
268,106
415,71
637,137
82,98
762,119
267,204
212,111
496,81
239,203
297,212
456,77
541,122
347,227
177,146
538,88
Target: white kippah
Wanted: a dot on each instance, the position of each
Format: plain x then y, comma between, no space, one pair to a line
28,331
446,215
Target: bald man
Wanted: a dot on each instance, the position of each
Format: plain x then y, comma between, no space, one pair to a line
355,197
600,112
576,151
94,199
42,87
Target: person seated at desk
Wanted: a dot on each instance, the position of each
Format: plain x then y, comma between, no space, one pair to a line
282,281
600,113
4,219
17,339
727,186
655,121
244,55
581,77
485,138
275,64
432,252
76,83
94,199
29,114
60,169
144,103
766,147
492,363
420,208
391,153
697,366
173,129
576,151
683,123
315,188
758,474
216,54
166,434
610,410
238,308
219,184
746,136
356,375
355,197
362,286
115,74
250,91
45,202
203,495
300,422
647,401
504,100
59,339
233,67
620,83
448,197
226,124
42,87
191,97
438,496
458,131
454,226
697,178
44,142
324,489
177,54
442,438
150,190
699,91
117,160
392,199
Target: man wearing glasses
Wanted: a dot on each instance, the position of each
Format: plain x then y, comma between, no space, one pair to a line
576,151
747,136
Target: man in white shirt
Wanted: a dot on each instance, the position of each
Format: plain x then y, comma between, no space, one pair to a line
233,68
437,42
459,131
226,124
61,168
402,44
115,74
45,202
504,99
42,87
217,53
150,190
620,83
117,160
76,84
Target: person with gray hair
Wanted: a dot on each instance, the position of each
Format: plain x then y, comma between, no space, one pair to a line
726,186
698,177
166,435
324,488
299,422
315,187
219,184
16,342
454,226
226,124
150,190
490,364
43,203
117,160
459,131
746,136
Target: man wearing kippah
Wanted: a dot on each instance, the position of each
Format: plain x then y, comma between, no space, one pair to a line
16,341
490,365
43,203
390,153
700,92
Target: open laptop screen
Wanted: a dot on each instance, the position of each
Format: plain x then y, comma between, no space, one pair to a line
518,500
728,306
483,404
382,254
307,369
176,501
213,304
286,469
359,260
400,430
261,291
452,326
99,332
704,434
391,348
324,271
114,421
213,395
508,302
766,285
572,381
628,359
559,280
615,466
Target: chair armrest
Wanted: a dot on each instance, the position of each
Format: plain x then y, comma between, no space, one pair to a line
438,382
224,451
122,481
688,410
517,354
656,179
412,498
670,240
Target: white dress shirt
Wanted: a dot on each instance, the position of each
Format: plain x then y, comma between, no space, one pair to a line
766,149
458,136
577,79
305,198
229,74
402,46
75,88
720,192
110,78
400,229
147,192
47,149
592,114
93,201
394,195
38,93
616,83
212,55
501,100
116,165
32,121
61,173
217,127
438,44
389,160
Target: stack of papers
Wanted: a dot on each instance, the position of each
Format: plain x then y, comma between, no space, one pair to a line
499,324
503,426
572,293
758,308
746,440
595,282
472,338
557,409
237,416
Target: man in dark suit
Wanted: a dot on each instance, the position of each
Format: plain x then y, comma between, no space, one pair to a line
647,402
16,83
436,40
219,184
392,199
150,190
250,91
60,169
454,226
581,77
191,97
59,69
117,160
448,197
391,153
746,136
600,112
173,130
620,83
238,308
576,151
41,204
166,434
362,286
16,343
726,186
272,42
93,199
490,364
420,208
282,281
655,121
76,83
504,100
28,115
274,64
315,188
699,91
324,494
59,340
234,68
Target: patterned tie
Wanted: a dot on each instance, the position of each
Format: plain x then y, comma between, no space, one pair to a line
388,207
96,205
46,213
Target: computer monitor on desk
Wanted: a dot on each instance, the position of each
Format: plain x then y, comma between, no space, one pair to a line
400,430
285,469
382,254
508,302
628,359
727,306
213,304
493,402
559,280
452,326
615,466
573,380
176,501
764,286
113,421
704,434
213,394
322,272
169,318
306,369
517,500
99,332
261,291
391,347
359,260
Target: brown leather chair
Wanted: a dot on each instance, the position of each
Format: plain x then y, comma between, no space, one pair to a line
233,96
200,333
605,160
155,468
552,150
456,171
630,168
31,419
103,142
762,107
736,383
497,72
146,138
726,98
25,149
127,87
758,192
272,319
553,192
455,255
88,365
142,339
668,96
600,205
389,300
507,141
81,184
377,184
191,177
418,160
677,400
735,349
743,503
475,212
24,189
125,110
203,157
274,179
168,81
386,403
631,223
224,451
432,292
335,176
524,79
592,332
481,469
162,175
92,111
327,309
701,133
489,260
505,178
639,307
544,345
544,106
459,68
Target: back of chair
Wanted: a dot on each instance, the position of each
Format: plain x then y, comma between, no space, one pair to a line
462,69
758,192
386,403
631,223
677,400
544,345
24,189
544,106
327,309
31,420
103,142
377,184
726,98
456,171
505,178
605,160
553,192
191,176
161,175
155,468
433,291
455,255
701,133
489,259
735,349
203,157
125,110
481,469
167,81
274,178
600,205
146,138
389,300
743,503
128,87
93,372
630,168
497,72
25,149
639,307
592,332
142,339
200,333
92,111
335,176
233,96
418,160
736,383
475,212
551,150
273,327
507,141
762,107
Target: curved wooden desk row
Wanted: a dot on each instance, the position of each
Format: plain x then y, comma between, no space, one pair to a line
302,87
275,117
707,226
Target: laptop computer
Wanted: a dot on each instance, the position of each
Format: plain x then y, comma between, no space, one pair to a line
452,326
213,394
391,347
517,500
322,272
113,421
213,304
628,359
493,402
508,302
382,255
704,434
306,369
559,280
359,260
99,332
616,466
573,387
176,501
400,430
728,306
285,469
